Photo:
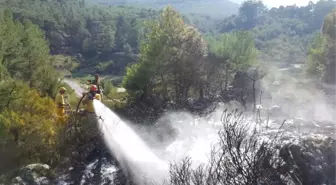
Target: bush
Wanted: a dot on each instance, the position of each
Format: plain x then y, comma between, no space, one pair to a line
107,86
112,98
29,130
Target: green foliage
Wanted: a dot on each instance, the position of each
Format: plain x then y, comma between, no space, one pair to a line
315,65
24,54
328,27
120,98
321,56
102,66
281,34
90,34
236,50
250,11
229,53
97,34
61,62
212,8
137,77
174,63
29,132
106,85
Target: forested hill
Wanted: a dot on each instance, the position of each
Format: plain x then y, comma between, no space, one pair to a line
106,39
213,8
281,34
92,35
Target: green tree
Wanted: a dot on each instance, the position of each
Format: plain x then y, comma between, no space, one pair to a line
328,26
27,129
36,54
234,52
25,55
170,59
329,31
121,32
250,11
315,65
154,52
84,31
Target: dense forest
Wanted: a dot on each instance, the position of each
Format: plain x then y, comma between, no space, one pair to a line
210,8
160,53
281,34
90,34
27,82
106,38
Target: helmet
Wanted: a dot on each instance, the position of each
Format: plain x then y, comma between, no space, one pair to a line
93,88
62,89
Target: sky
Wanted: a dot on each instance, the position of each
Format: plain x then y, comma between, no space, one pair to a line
277,3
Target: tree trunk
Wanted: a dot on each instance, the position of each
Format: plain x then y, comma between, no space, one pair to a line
226,78
254,95
185,92
146,93
201,92
165,93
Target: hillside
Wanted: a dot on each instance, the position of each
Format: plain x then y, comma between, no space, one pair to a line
281,34
105,39
166,62
213,8
89,34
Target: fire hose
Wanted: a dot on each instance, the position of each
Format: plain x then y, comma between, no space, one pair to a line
77,108
80,100
110,98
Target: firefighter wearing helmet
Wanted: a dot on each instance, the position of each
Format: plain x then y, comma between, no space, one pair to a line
60,102
96,82
89,97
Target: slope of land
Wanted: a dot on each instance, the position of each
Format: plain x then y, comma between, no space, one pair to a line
212,8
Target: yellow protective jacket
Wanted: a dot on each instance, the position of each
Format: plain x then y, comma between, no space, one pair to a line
60,104
89,103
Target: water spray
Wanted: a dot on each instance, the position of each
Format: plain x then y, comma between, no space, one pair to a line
136,158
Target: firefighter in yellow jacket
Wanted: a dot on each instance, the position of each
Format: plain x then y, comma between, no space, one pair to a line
60,106
60,102
89,97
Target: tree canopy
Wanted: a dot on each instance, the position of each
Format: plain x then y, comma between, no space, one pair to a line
321,56
28,127
175,61
211,8
282,34
106,37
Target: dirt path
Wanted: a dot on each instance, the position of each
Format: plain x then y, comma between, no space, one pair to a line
78,89
73,84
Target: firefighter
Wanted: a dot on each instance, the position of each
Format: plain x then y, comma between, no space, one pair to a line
60,102
60,106
88,101
96,82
